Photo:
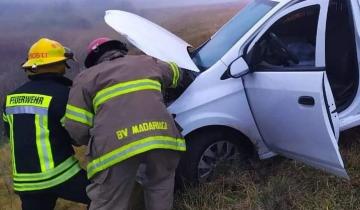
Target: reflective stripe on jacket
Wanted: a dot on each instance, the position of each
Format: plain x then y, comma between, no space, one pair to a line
42,155
117,109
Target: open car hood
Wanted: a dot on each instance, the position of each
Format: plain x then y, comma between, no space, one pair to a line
150,38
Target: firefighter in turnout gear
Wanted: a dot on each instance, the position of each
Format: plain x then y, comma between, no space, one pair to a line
116,107
43,163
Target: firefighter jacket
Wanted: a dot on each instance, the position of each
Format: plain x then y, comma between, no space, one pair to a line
117,109
42,153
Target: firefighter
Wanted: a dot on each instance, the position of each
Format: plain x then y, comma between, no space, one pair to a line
116,107
43,162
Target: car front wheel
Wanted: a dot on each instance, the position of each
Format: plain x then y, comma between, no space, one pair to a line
211,153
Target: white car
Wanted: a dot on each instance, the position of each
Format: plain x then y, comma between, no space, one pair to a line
281,74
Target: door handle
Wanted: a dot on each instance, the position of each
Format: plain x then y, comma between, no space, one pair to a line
306,100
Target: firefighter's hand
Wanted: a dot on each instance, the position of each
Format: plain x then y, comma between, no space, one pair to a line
187,77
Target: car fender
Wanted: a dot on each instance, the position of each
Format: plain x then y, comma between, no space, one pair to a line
211,101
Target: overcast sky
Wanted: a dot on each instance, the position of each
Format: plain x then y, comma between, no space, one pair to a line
166,3
138,3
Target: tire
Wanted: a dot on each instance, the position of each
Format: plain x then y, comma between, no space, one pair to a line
210,150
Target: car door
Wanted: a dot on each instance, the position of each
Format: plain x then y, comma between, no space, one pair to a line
290,98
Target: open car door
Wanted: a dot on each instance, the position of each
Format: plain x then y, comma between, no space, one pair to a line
296,120
293,105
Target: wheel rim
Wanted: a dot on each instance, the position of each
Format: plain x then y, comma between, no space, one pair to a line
216,154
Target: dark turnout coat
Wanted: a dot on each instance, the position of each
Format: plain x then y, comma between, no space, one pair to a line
41,148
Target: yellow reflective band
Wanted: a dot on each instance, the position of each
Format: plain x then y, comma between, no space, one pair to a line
22,177
11,125
79,115
43,143
19,186
62,121
4,117
124,88
173,74
176,74
28,100
132,149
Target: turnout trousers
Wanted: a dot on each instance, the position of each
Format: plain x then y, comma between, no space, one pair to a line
112,188
73,189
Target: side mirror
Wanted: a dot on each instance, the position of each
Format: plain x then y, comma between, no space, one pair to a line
238,68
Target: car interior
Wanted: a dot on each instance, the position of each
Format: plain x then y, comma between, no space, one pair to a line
341,57
290,45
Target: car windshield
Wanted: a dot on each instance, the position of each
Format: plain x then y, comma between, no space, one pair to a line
216,47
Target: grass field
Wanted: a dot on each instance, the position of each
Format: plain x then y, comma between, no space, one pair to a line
275,184
282,184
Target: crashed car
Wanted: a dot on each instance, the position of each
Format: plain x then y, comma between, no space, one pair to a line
281,74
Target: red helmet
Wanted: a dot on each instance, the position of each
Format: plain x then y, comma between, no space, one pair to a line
99,46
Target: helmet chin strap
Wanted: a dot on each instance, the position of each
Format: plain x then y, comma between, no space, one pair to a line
33,71
30,71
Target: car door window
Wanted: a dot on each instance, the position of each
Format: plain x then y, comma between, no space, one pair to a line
289,43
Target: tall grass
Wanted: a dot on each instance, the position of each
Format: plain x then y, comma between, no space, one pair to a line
8,199
275,184
281,184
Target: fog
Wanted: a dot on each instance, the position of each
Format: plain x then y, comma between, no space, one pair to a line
138,3
169,3
76,22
